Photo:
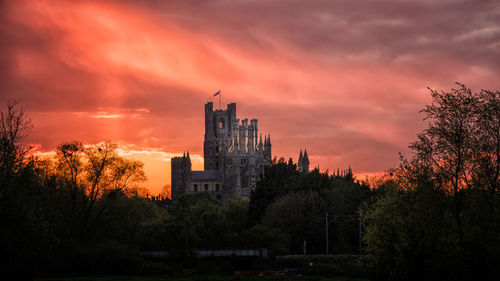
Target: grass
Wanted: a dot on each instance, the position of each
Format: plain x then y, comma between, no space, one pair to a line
198,278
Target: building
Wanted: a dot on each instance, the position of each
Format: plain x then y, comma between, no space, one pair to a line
234,157
303,163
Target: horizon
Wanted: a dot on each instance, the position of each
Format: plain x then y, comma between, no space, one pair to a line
344,80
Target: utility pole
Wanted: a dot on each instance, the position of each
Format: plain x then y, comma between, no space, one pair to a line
327,222
351,218
360,236
326,228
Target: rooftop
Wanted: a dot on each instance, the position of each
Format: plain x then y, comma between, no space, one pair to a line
205,175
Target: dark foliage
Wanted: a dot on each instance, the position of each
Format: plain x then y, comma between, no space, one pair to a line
441,220
297,202
436,217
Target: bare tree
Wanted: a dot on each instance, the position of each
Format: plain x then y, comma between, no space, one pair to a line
15,125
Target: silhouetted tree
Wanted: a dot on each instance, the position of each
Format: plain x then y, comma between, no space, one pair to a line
301,216
441,220
284,194
93,171
15,125
276,182
26,234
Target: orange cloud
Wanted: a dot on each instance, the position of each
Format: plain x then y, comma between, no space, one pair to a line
345,79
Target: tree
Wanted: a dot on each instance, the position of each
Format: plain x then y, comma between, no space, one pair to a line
283,193
15,125
404,236
261,236
300,215
93,171
277,180
26,233
440,218
460,149
461,146
166,192
487,154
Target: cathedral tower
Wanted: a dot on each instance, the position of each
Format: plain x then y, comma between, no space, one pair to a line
180,171
218,134
234,157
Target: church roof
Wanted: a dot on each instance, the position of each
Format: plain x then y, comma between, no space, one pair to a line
204,175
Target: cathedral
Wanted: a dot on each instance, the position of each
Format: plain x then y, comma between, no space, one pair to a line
234,157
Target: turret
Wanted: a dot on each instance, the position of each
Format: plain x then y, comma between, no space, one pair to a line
243,139
181,171
235,134
231,110
255,126
251,140
267,148
209,120
236,138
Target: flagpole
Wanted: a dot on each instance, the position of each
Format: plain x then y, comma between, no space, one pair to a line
220,98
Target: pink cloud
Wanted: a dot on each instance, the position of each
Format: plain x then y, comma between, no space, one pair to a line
345,79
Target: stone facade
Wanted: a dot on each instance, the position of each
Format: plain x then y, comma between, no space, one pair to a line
234,157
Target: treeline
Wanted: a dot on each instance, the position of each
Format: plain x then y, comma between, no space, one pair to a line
435,217
296,203
83,211
80,211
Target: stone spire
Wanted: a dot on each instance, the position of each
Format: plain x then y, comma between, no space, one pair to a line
267,147
303,161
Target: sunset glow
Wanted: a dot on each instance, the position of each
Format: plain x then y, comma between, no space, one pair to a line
346,82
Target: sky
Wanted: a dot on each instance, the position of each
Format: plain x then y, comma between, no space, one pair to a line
344,79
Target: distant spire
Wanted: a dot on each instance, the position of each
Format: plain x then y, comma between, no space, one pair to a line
260,142
187,154
305,162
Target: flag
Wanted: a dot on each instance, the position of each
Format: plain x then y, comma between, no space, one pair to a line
218,93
